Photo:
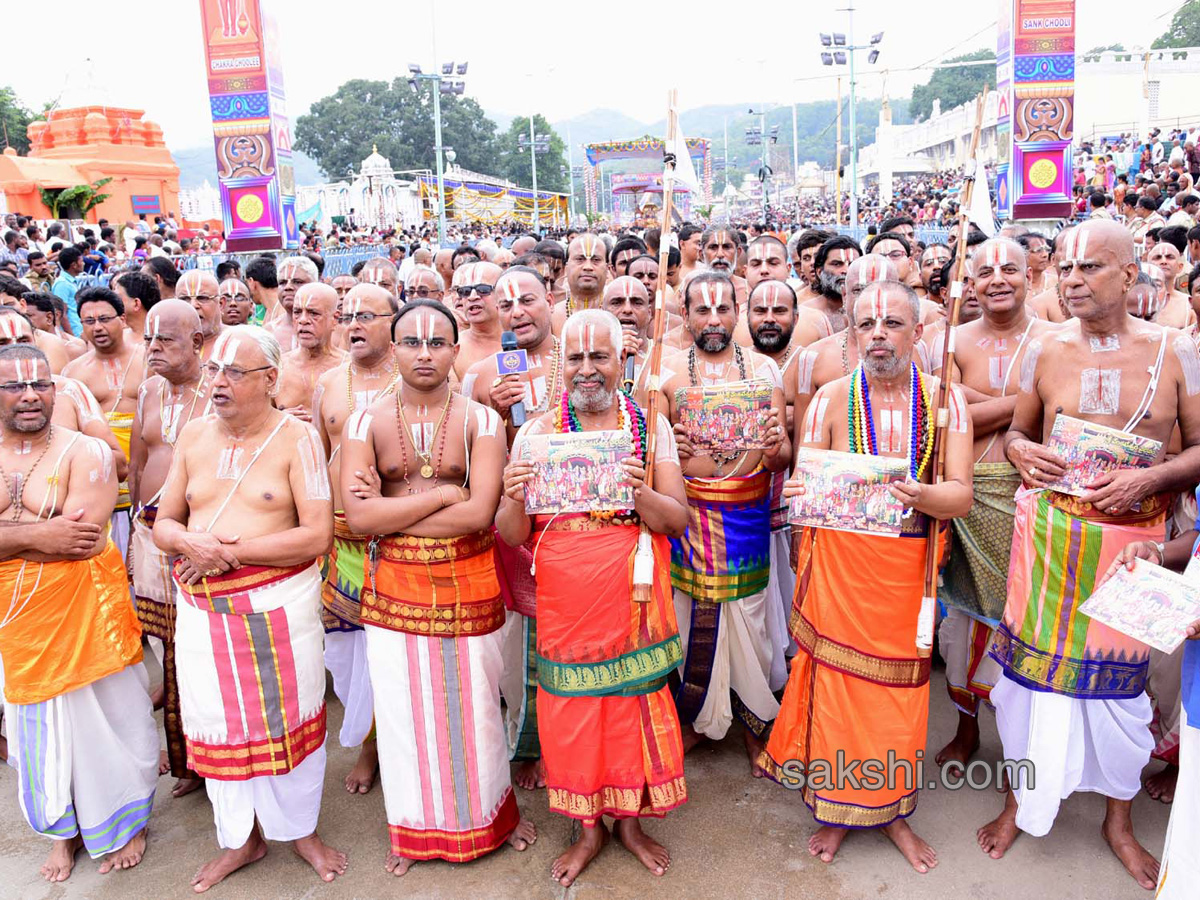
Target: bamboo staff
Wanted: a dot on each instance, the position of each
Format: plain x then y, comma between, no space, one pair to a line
942,419
643,563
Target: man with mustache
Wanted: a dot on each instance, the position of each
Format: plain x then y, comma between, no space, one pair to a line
199,289
721,251
858,686
802,249
474,288
586,274
830,264
237,306
604,658
168,399
294,273
81,730
628,299
368,373
314,319
525,311
990,351
720,567
112,371
766,260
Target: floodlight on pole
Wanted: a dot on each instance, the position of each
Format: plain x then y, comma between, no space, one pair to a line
826,40
839,39
462,69
877,37
840,58
873,57
414,69
827,59
448,68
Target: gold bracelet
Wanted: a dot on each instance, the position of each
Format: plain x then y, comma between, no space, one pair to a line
441,496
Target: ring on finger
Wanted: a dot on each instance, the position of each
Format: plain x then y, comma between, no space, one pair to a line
1033,472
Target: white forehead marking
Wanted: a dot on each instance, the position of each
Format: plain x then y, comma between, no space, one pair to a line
997,254
28,370
759,252
512,291
704,292
9,327
719,290
1076,245
152,325
591,338
225,350
627,289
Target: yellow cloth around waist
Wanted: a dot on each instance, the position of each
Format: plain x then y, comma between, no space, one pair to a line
437,587
122,429
72,624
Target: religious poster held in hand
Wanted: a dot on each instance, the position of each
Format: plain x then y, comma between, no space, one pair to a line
578,472
1092,450
848,492
1151,604
726,418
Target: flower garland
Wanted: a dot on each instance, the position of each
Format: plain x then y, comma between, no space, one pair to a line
628,413
861,421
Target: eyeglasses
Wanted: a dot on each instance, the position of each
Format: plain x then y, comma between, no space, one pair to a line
99,320
233,373
203,298
465,290
424,292
17,388
896,255
365,317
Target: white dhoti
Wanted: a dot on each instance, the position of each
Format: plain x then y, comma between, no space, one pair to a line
780,591
286,806
971,672
1073,744
518,686
346,660
443,757
1179,876
741,663
87,761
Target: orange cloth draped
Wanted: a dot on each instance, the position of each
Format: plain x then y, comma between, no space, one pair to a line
609,733
77,627
857,686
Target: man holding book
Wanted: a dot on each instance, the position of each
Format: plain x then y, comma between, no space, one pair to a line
858,686
610,735
1072,696
720,567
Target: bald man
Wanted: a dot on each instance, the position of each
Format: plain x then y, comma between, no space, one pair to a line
474,288
524,244
199,289
314,317
1175,310
766,260
1072,696
443,261
294,273
586,274
628,299
172,395
382,273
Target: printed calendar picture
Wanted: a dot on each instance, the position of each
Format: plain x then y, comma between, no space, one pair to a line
1091,450
1150,604
726,417
847,491
577,472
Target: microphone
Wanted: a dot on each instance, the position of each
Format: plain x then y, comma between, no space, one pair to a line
516,413
630,361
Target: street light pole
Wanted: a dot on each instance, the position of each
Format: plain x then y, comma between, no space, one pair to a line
853,128
533,160
437,153
571,172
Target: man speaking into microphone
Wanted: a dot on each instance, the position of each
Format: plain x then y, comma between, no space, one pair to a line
627,299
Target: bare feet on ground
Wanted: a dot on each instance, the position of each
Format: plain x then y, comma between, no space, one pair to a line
217,870
128,856
919,854
650,853
998,835
326,862
691,737
185,786
523,835
531,774
398,865
568,866
1161,785
1133,856
61,861
754,746
826,841
362,777
964,743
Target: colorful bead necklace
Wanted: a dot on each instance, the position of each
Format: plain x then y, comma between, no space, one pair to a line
861,421
628,413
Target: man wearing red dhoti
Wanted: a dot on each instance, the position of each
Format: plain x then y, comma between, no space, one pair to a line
858,689
609,732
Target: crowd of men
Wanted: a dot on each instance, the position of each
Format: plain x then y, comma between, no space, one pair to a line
262,473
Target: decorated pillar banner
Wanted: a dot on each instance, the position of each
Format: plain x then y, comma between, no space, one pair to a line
251,133
1042,108
1004,77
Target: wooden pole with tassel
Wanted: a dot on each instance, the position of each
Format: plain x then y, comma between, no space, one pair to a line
643,561
942,415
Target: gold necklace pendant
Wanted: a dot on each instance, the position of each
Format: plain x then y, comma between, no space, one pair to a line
427,471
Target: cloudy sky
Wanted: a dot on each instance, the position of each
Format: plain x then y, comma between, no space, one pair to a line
624,55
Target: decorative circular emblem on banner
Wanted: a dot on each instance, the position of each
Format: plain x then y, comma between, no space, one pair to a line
1042,173
250,208
510,362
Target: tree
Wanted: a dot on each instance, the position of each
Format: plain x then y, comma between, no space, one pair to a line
15,118
953,87
1184,30
74,202
514,165
340,130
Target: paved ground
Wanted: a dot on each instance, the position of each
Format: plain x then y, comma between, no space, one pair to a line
736,837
